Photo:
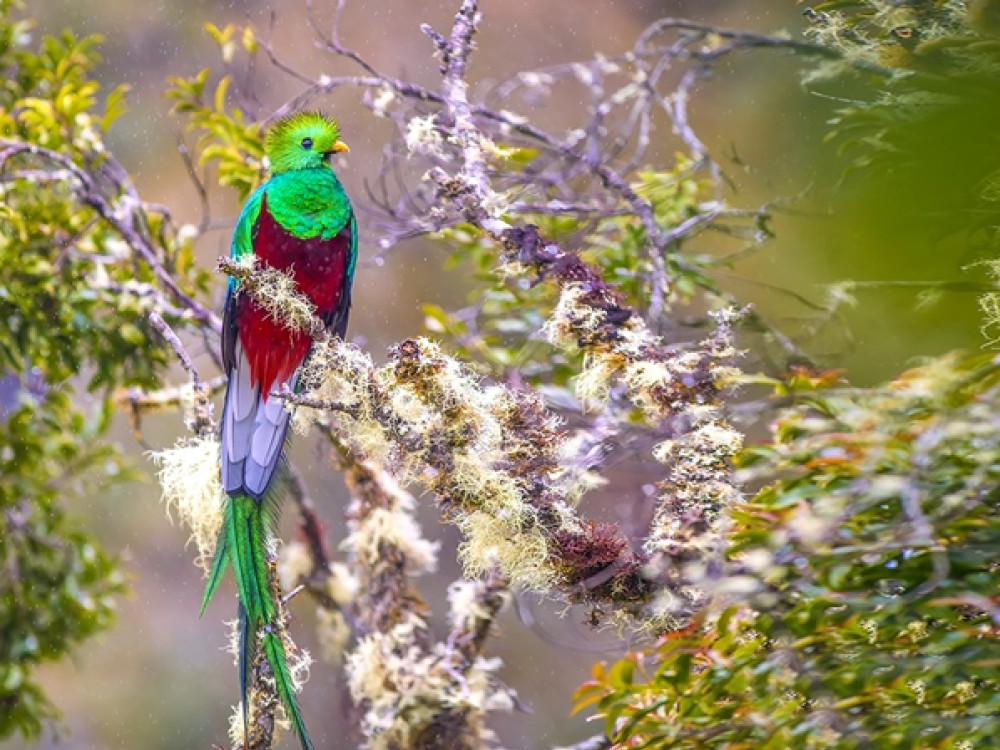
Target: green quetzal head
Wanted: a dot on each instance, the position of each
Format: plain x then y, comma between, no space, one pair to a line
305,140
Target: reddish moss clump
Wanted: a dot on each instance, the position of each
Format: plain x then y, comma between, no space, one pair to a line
600,563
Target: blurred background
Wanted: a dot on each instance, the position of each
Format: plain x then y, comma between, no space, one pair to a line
160,679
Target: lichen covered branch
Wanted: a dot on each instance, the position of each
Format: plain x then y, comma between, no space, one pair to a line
494,456
411,690
680,385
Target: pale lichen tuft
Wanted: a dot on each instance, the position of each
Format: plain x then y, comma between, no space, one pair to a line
189,478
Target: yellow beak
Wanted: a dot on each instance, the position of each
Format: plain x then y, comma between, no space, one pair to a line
339,147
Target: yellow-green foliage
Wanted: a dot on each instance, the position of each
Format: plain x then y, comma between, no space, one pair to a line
227,139
989,304
919,124
73,300
917,36
58,586
74,291
872,618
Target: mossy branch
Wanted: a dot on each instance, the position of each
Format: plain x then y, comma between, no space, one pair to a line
493,455
408,688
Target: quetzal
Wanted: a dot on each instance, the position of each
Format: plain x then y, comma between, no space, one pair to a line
301,222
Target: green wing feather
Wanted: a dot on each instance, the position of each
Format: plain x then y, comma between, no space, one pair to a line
246,228
220,562
274,650
354,252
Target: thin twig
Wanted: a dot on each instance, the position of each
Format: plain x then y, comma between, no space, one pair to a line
171,338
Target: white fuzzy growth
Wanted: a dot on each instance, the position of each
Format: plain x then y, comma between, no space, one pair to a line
277,292
496,205
573,317
236,726
423,137
465,605
593,384
294,564
303,418
645,374
635,338
299,663
189,478
343,372
341,585
497,490
333,634
644,379
496,514
366,669
396,527
405,686
382,101
232,646
480,689
570,315
392,660
664,451
498,541
493,402
718,439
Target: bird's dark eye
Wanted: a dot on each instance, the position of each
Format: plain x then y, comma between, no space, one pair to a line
307,143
